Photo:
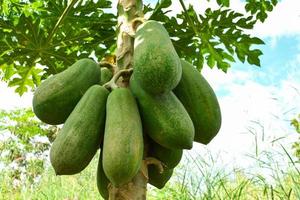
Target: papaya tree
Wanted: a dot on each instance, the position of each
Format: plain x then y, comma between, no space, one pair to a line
145,58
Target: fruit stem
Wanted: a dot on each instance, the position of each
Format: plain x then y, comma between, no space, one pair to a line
153,161
112,84
108,65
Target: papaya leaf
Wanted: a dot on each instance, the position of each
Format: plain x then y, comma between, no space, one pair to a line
165,3
218,37
8,70
28,77
30,36
24,37
223,2
259,8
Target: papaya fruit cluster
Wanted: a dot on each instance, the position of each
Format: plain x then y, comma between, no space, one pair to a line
168,104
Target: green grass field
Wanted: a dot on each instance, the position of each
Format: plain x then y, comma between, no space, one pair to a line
186,184
25,173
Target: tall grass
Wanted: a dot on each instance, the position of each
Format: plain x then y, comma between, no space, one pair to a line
195,178
52,187
274,174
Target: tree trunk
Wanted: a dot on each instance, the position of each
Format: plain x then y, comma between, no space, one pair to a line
134,190
129,13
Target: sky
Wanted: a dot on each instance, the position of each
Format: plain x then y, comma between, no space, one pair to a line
256,102
261,101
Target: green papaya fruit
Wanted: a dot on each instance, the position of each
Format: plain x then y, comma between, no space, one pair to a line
201,103
123,138
169,157
82,133
106,75
157,67
157,179
164,117
102,180
56,97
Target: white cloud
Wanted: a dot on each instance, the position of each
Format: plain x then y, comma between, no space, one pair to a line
284,20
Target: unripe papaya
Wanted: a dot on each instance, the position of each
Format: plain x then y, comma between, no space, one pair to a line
123,138
56,97
164,117
201,103
106,75
102,181
82,133
157,179
157,67
169,157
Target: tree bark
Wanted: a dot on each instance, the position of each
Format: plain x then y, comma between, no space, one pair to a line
128,12
134,190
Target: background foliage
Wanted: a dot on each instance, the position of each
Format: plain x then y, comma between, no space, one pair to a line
24,145
39,38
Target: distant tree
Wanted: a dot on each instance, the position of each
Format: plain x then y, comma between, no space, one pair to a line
24,143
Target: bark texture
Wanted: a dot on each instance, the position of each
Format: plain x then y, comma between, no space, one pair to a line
128,12
134,190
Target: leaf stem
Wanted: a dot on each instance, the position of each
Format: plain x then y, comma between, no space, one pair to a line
190,21
60,20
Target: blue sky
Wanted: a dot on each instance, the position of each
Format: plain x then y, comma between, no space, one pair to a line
275,61
258,100
269,94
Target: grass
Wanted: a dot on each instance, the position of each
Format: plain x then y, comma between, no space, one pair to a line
200,179
52,187
273,175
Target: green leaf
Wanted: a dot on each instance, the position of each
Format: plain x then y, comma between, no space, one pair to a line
296,123
228,57
8,70
224,66
216,28
253,57
223,2
274,2
210,61
259,8
24,32
165,3
256,40
36,74
214,37
240,54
